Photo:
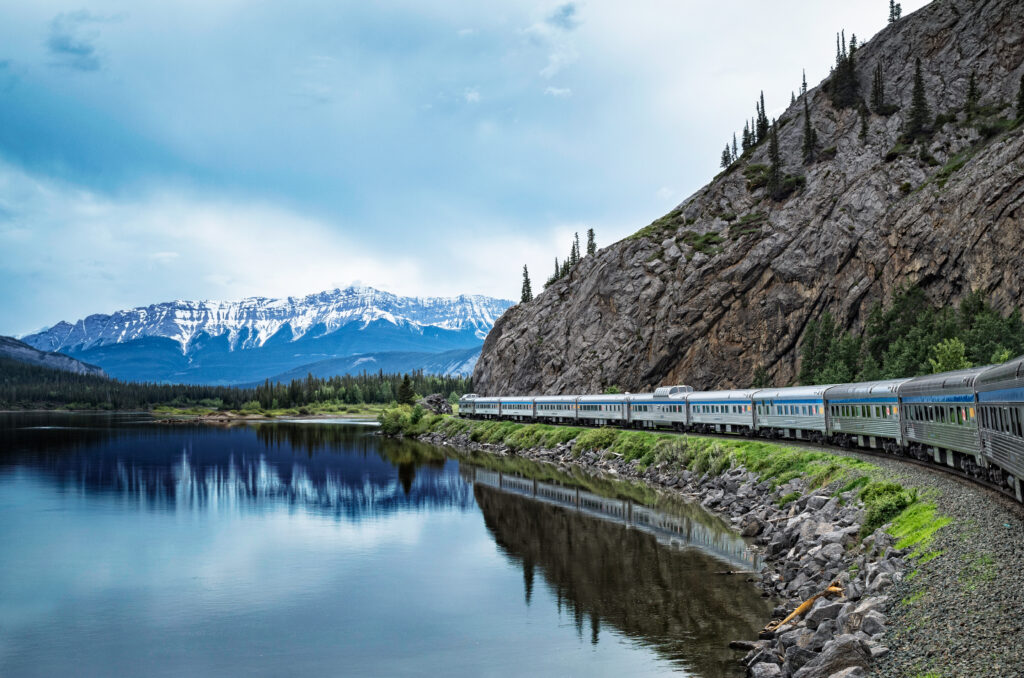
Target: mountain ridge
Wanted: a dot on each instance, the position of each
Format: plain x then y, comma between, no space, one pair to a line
22,352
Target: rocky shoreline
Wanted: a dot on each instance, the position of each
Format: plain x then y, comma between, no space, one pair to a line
807,545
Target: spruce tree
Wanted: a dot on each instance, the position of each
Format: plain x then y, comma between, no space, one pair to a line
810,136
527,293
1020,99
803,83
895,10
735,150
775,170
746,144
920,115
762,121
592,243
558,272
972,96
726,158
792,98
843,87
576,249
405,395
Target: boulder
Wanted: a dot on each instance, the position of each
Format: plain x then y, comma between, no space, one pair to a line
765,670
841,653
436,403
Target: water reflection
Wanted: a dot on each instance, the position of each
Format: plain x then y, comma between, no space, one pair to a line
624,568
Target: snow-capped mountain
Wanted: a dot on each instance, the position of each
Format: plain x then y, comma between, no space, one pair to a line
240,341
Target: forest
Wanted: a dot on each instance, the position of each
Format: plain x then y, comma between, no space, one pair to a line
24,386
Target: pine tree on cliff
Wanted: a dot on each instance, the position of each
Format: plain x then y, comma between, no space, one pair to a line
972,96
762,121
527,293
745,143
726,158
735,150
920,115
844,89
775,170
895,10
792,98
803,83
810,136
592,243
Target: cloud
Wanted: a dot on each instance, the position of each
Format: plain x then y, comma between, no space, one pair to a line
471,95
72,39
558,92
564,17
558,60
466,32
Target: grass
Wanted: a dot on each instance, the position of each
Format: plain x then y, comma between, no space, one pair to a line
364,409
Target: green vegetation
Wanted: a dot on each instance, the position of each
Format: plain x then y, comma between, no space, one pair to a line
527,292
910,337
843,88
570,262
810,145
25,386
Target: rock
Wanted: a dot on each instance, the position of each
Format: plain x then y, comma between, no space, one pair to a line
841,653
852,672
743,645
820,613
436,403
765,670
824,633
873,623
796,658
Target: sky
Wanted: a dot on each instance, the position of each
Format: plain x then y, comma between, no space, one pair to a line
218,150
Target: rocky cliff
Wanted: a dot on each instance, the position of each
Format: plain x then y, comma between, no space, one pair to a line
727,282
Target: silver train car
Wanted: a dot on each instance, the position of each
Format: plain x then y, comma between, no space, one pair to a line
972,420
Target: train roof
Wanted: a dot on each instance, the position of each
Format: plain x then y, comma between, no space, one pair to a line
959,382
556,399
679,391
734,394
998,376
869,389
792,392
607,397
469,396
505,399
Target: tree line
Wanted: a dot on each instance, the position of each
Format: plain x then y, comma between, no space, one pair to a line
909,338
31,386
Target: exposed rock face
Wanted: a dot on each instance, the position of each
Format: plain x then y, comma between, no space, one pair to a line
22,352
436,403
672,305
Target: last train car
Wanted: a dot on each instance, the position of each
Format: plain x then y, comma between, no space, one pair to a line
939,419
466,405
666,407
795,412
866,414
722,411
1001,421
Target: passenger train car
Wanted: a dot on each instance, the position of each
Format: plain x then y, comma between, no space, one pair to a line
972,420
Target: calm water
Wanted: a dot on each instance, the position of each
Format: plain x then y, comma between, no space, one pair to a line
134,549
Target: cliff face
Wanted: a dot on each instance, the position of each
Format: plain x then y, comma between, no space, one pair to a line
728,281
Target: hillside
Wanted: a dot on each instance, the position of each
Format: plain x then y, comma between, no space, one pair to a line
213,342
23,353
727,282
457,362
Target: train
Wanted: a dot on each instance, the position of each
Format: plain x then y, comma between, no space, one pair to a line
970,420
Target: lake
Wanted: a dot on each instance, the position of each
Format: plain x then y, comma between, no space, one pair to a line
130,548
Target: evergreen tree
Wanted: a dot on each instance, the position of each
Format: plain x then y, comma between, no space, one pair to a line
792,98
726,157
972,96
746,144
527,292
803,83
775,170
575,258
877,90
895,10
810,136
592,243
844,90
919,120
762,121
406,396
1020,99
735,150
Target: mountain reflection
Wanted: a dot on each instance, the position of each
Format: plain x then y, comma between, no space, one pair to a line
329,469
602,573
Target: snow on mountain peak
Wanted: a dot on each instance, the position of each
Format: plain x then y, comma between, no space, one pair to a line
249,323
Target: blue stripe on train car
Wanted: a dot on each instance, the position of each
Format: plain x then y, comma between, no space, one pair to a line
1006,395
965,398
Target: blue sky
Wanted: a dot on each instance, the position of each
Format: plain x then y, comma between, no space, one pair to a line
195,149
